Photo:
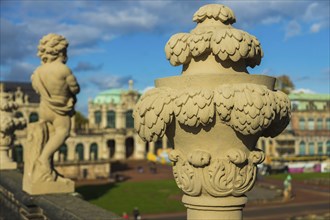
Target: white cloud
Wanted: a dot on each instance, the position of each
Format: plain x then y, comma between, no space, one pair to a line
315,27
303,90
110,82
292,29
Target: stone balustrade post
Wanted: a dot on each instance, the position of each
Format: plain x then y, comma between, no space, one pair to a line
214,113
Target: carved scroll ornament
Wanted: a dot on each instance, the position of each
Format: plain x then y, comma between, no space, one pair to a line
232,175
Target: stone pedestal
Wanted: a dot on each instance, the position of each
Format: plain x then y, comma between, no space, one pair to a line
6,163
213,114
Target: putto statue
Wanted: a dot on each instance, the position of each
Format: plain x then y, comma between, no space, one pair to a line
58,87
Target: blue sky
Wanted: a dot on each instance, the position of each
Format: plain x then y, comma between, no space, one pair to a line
114,41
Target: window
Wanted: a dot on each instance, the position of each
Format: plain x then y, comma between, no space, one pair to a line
63,151
302,124
80,152
319,124
129,119
93,152
311,148
328,123
302,148
33,117
328,148
289,127
311,124
111,119
320,148
98,117
18,153
263,145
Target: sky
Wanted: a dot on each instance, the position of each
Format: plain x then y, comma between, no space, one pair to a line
112,42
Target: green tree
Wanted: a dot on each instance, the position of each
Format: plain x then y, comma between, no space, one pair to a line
284,84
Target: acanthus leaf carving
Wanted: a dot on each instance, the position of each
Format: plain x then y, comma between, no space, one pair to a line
247,108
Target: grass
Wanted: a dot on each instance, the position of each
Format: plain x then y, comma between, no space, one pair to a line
157,196
301,176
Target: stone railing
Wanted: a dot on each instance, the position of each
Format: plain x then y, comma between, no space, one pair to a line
16,204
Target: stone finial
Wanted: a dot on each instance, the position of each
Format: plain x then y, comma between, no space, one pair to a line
8,125
58,87
213,114
130,84
216,42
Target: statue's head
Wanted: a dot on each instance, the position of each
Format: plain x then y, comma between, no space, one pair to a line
51,47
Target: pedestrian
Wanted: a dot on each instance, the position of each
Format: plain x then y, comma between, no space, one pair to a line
125,215
287,192
136,214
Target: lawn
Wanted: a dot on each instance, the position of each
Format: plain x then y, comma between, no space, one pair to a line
301,176
157,196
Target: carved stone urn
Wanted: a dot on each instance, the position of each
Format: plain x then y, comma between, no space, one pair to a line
213,113
8,125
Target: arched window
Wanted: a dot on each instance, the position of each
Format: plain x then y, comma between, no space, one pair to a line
319,124
302,124
328,148
302,148
111,119
18,153
79,152
328,123
33,117
98,117
129,119
129,144
112,146
320,148
311,148
158,145
63,151
93,151
311,124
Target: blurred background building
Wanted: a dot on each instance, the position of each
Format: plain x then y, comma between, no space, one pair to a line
107,134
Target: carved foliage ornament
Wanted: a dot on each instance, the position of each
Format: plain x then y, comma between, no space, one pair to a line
219,38
233,175
247,108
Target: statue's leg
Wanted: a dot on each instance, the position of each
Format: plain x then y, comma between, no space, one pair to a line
61,126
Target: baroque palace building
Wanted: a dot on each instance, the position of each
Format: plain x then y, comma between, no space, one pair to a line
308,133
109,134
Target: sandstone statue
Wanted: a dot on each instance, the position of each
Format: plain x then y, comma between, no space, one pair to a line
57,87
213,113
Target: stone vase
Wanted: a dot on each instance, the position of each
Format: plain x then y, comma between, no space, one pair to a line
213,114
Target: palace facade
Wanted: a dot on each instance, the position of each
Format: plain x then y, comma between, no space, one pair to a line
308,133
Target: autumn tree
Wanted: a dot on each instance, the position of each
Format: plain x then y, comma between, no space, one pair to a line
284,84
80,120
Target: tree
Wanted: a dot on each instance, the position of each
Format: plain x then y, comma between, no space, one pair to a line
284,84
80,120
